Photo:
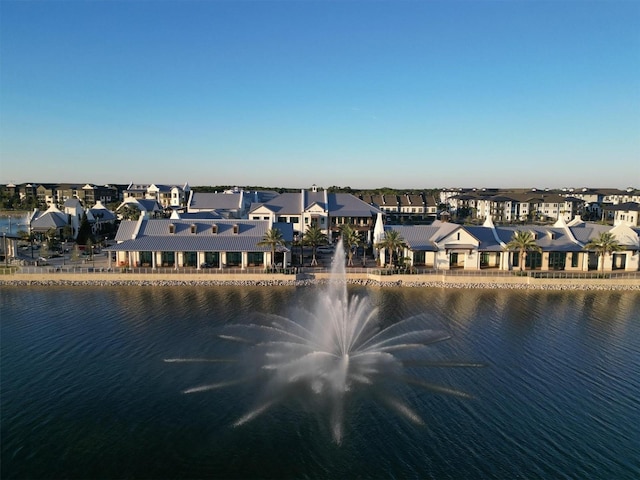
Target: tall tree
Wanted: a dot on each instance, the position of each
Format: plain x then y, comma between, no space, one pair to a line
392,242
314,237
273,239
523,241
351,241
603,244
84,231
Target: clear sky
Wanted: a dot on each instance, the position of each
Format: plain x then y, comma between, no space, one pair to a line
366,94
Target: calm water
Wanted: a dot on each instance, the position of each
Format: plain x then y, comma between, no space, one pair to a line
11,225
86,393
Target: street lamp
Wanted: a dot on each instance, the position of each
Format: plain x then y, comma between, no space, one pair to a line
6,255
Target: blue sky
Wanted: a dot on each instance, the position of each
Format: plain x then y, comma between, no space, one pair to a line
404,94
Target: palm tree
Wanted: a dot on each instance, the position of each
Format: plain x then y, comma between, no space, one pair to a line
603,244
523,242
392,242
351,241
314,237
273,239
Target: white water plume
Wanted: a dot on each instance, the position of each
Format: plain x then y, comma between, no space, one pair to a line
331,350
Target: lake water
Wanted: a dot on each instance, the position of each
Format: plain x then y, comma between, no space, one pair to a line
12,224
86,392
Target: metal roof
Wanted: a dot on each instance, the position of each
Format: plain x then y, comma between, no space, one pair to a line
156,235
337,204
216,201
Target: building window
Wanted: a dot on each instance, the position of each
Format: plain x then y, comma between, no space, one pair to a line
533,260
619,261
214,229
574,260
557,260
193,228
236,229
255,258
172,228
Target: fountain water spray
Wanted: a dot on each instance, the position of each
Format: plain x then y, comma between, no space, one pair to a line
331,350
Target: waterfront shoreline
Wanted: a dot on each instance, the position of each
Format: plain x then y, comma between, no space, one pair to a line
490,285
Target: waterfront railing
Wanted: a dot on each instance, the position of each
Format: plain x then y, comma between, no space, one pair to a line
292,271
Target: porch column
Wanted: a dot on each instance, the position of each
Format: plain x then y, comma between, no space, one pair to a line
154,262
245,259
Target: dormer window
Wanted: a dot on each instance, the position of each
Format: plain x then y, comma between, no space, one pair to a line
172,228
552,235
236,229
193,228
214,229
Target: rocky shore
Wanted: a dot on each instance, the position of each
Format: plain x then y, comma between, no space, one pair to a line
310,282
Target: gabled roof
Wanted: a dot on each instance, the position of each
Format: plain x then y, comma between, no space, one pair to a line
417,237
347,205
52,218
102,214
488,242
144,204
73,203
155,235
337,204
547,238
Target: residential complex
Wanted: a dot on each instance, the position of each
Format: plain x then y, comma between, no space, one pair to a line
178,227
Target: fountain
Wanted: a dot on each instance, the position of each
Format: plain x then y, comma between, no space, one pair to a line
332,350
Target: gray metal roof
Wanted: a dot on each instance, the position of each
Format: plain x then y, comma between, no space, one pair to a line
103,214
488,242
49,220
155,235
216,201
125,230
560,242
417,237
337,204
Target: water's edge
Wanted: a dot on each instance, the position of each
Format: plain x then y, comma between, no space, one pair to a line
538,284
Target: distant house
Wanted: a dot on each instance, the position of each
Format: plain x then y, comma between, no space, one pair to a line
148,207
50,219
625,213
197,243
101,218
328,211
167,196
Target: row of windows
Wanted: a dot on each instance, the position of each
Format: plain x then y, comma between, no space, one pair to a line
190,259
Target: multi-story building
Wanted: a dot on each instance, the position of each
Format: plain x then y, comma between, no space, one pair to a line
328,211
168,196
